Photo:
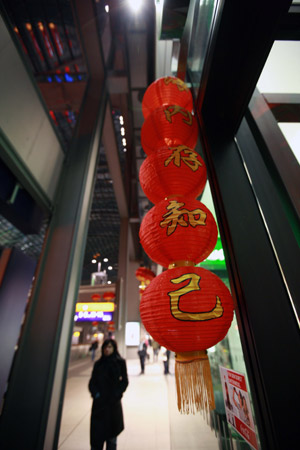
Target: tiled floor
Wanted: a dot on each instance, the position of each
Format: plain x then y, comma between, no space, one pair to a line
152,421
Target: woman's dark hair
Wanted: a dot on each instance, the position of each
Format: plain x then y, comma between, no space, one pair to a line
113,343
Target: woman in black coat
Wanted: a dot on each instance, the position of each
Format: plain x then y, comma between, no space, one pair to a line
108,382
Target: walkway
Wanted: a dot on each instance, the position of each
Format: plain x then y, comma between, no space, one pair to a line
152,421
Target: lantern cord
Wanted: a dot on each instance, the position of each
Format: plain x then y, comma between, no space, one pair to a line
194,382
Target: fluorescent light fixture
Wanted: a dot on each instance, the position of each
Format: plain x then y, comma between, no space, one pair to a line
135,5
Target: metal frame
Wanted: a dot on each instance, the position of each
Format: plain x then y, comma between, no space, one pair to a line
261,250
264,113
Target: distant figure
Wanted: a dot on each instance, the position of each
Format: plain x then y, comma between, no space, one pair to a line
93,349
142,352
108,382
155,347
166,358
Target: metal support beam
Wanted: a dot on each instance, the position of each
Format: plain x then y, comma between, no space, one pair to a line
113,161
122,299
277,154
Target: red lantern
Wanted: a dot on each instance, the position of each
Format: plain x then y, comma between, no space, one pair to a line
108,295
171,126
172,171
187,309
144,274
166,91
178,229
96,297
111,325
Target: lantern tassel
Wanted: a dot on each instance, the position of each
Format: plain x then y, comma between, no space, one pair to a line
193,382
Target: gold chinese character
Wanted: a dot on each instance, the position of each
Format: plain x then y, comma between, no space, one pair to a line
179,83
186,154
175,216
175,109
193,285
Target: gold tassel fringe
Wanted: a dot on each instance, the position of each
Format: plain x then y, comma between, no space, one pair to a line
193,382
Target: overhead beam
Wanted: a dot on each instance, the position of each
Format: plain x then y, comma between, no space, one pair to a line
289,29
243,35
113,161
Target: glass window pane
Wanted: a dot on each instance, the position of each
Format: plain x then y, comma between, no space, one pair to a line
281,71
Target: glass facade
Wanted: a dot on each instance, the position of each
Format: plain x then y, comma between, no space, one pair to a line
279,143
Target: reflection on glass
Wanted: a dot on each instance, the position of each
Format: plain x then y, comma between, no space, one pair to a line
227,353
202,23
291,132
281,70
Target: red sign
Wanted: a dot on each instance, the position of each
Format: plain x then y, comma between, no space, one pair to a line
237,404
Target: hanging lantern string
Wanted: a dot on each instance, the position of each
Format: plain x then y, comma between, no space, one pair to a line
177,233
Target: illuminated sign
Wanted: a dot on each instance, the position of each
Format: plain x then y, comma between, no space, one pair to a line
95,307
100,316
132,333
216,260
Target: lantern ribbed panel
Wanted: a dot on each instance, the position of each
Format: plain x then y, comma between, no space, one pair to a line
189,243
166,91
181,335
158,132
160,178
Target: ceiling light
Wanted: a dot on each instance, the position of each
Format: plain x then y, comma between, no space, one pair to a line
124,149
135,5
124,141
105,259
121,120
94,261
107,8
109,268
109,282
123,131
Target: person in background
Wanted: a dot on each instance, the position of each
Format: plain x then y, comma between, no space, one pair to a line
142,352
93,349
155,347
108,382
166,357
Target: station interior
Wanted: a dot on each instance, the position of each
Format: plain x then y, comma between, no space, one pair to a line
76,258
